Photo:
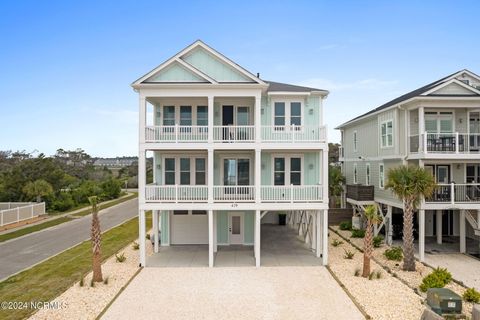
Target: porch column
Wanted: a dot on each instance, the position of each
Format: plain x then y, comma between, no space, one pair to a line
313,240
210,238
210,113
210,175
389,234
421,234
215,245
324,237
421,128
463,238
318,235
325,176
258,174
141,237
258,120
257,238
155,230
438,227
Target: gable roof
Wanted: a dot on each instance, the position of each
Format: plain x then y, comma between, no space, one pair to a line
177,58
285,87
418,92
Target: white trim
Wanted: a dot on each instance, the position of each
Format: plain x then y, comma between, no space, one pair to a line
287,158
381,176
241,214
196,71
368,174
355,173
288,110
460,83
355,141
386,146
177,158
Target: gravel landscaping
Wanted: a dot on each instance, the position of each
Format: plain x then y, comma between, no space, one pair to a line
411,279
88,302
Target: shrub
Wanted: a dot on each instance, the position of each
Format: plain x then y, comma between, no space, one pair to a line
135,246
394,253
336,242
105,280
437,279
148,236
345,225
348,254
377,241
357,272
82,281
371,275
63,202
378,274
121,257
471,295
357,233
111,188
92,283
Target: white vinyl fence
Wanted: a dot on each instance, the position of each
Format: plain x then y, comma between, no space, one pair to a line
13,212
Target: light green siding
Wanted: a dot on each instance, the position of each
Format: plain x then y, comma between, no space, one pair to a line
175,73
213,67
222,227
266,168
249,227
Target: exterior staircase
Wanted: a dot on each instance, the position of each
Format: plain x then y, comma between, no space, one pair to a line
472,217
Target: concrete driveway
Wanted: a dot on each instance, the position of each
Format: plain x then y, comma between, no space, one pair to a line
233,293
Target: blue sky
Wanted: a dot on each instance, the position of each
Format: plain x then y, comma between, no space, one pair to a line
66,66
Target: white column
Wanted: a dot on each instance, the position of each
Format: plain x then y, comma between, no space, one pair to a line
463,239
258,175
258,120
318,235
210,238
390,226
421,234
421,128
257,238
155,214
142,118
211,112
210,175
215,245
141,175
324,237
141,237
313,240
438,223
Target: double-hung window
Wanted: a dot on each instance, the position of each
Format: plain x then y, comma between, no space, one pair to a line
287,114
200,173
387,134
169,171
185,171
381,176
355,141
287,170
202,116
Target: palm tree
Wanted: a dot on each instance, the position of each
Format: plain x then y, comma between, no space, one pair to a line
37,189
373,218
411,184
96,238
335,184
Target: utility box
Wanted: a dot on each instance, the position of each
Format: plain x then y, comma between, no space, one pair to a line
444,301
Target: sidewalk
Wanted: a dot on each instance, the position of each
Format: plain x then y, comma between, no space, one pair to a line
70,213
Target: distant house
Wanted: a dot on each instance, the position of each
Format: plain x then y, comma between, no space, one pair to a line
436,127
115,162
231,151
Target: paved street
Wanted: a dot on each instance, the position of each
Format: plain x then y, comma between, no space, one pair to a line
21,253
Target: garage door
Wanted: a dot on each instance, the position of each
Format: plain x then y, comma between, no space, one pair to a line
189,227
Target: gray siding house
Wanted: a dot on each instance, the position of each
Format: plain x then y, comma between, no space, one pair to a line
436,127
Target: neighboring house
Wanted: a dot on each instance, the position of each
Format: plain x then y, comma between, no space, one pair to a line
118,162
231,151
436,127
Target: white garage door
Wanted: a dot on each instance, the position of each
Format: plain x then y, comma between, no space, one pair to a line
189,228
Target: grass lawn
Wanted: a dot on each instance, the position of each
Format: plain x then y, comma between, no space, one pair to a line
30,229
52,277
51,223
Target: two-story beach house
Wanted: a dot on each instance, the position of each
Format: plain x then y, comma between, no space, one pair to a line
436,127
230,151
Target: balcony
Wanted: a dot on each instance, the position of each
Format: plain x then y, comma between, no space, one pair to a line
234,134
465,193
449,143
292,134
360,192
233,194
292,193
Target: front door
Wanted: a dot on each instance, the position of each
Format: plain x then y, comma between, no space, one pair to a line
236,228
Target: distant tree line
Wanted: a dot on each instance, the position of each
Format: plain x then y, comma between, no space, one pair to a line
64,180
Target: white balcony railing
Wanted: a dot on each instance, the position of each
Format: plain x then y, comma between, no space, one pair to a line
294,133
451,142
233,193
176,193
292,193
234,133
456,193
176,133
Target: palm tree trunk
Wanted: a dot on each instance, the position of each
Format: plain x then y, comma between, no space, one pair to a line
96,237
367,249
408,248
